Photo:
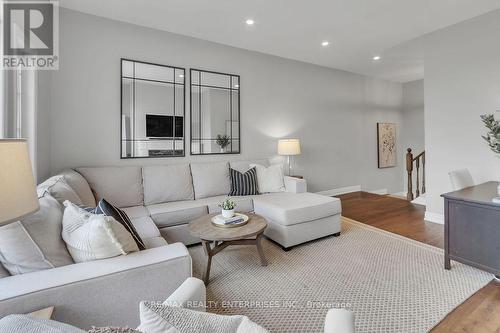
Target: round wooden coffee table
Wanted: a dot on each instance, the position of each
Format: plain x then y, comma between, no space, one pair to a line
248,234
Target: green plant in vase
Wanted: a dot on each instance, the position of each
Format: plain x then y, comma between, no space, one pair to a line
227,206
492,138
222,141
493,135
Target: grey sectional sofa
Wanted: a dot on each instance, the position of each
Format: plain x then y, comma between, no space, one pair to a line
160,201
169,196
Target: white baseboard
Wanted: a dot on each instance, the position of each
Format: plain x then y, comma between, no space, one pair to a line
382,191
434,217
341,190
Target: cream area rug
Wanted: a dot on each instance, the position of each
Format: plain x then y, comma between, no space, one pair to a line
392,283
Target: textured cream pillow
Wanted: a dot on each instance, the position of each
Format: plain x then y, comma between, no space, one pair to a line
91,236
270,179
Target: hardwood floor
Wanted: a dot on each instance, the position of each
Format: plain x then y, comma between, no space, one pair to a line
481,312
395,215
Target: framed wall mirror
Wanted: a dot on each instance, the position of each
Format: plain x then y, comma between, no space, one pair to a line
215,113
152,110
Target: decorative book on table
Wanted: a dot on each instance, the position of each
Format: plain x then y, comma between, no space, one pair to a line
230,220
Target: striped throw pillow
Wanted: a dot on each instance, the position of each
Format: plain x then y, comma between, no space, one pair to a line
243,183
107,209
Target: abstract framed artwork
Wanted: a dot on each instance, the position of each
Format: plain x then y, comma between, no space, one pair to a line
386,141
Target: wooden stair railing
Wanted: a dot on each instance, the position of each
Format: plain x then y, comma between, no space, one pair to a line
417,160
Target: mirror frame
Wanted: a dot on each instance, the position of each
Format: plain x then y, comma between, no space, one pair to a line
183,109
191,86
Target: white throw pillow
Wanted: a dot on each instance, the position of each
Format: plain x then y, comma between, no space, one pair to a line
270,179
159,318
92,236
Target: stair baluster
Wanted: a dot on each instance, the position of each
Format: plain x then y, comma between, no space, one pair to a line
409,169
417,160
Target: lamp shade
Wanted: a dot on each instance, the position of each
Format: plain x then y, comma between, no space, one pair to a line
18,196
289,147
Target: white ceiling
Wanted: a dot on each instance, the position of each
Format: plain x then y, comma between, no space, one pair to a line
356,29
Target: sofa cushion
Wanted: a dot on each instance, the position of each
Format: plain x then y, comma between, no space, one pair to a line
155,242
244,166
121,186
177,212
59,189
244,204
93,236
35,242
136,211
179,233
80,186
165,183
145,227
210,179
290,208
105,208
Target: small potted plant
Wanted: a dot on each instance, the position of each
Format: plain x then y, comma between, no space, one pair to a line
493,136
222,141
227,206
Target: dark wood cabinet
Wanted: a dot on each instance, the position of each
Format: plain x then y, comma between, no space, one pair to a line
472,227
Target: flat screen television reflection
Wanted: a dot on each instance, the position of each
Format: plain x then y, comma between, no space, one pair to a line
163,126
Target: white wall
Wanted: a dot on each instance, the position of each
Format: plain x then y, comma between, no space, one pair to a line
462,81
412,127
333,112
413,116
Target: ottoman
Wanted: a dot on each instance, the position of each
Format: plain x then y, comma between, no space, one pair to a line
295,218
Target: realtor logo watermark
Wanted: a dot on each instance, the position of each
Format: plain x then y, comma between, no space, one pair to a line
30,35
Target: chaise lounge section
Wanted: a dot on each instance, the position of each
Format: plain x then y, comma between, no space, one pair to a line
296,218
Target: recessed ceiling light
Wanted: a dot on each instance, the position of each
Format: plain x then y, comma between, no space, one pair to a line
325,43
250,22
376,58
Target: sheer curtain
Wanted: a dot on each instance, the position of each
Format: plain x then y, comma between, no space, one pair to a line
18,107
18,91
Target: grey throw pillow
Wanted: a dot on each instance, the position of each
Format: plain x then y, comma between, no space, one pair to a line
80,186
59,189
35,243
159,318
27,324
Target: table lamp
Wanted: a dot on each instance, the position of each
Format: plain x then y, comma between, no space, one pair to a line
18,196
289,148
